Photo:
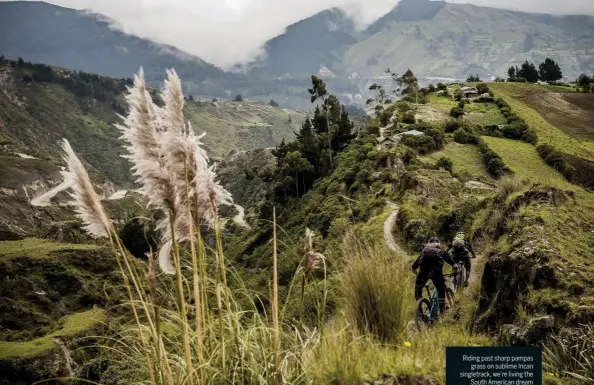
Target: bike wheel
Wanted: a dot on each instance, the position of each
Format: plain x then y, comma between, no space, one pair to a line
422,313
449,297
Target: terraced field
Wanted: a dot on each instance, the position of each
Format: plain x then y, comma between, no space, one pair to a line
562,119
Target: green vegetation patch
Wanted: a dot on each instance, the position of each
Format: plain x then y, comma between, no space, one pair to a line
485,114
71,325
36,248
466,158
523,159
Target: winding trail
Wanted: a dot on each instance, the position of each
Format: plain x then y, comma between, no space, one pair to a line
389,224
44,199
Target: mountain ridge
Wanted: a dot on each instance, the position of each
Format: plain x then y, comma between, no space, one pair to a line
437,38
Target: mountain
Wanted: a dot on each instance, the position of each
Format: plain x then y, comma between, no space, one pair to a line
439,39
309,44
46,33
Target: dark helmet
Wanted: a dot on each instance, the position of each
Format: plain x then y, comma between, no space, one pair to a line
433,240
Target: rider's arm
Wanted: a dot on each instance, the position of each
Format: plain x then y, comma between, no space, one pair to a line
415,265
447,257
469,247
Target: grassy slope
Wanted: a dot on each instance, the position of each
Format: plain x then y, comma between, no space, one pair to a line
514,94
485,114
71,326
466,158
35,248
242,126
524,160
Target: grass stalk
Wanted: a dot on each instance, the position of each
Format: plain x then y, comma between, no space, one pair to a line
182,303
196,289
277,345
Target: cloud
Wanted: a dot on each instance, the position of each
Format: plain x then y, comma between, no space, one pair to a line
226,32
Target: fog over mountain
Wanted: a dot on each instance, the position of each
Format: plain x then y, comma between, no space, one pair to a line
233,31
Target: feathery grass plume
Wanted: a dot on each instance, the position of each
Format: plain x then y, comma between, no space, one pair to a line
174,102
86,201
311,258
140,130
211,195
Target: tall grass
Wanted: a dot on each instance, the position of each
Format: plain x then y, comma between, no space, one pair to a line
188,325
571,354
378,291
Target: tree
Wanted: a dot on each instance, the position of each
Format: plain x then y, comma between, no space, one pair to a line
380,97
549,71
319,91
583,81
511,73
473,79
273,103
528,72
239,98
408,83
191,98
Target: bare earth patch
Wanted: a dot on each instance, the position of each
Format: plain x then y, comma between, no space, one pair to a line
573,113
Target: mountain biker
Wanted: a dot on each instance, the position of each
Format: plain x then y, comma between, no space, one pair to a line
430,265
460,247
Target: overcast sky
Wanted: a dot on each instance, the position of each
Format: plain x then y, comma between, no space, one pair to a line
225,32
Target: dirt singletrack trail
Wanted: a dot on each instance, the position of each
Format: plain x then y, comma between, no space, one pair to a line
389,224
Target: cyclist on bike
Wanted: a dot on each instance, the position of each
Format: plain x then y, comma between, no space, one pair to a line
460,247
430,265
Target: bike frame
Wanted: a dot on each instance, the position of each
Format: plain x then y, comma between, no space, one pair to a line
433,312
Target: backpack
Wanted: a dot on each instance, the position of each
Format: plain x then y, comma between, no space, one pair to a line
458,243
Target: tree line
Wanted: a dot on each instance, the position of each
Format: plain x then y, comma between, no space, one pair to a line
299,163
548,71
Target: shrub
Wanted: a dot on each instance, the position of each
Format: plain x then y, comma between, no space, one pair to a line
456,112
463,136
409,117
445,163
441,87
553,158
482,88
494,163
377,291
437,136
451,125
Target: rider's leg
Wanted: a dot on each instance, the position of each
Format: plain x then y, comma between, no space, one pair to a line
439,282
422,279
467,266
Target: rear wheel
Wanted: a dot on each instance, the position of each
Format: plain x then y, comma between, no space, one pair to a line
449,297
422,313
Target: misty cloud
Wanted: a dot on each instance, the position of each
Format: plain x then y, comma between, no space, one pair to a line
226,32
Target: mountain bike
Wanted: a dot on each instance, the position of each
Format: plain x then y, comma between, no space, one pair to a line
459,275
427,313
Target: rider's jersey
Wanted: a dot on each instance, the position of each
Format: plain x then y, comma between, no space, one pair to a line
432,257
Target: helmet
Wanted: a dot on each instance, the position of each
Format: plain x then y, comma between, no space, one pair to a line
433,240
459,235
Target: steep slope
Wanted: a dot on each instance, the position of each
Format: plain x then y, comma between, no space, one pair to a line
42,32
84,108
